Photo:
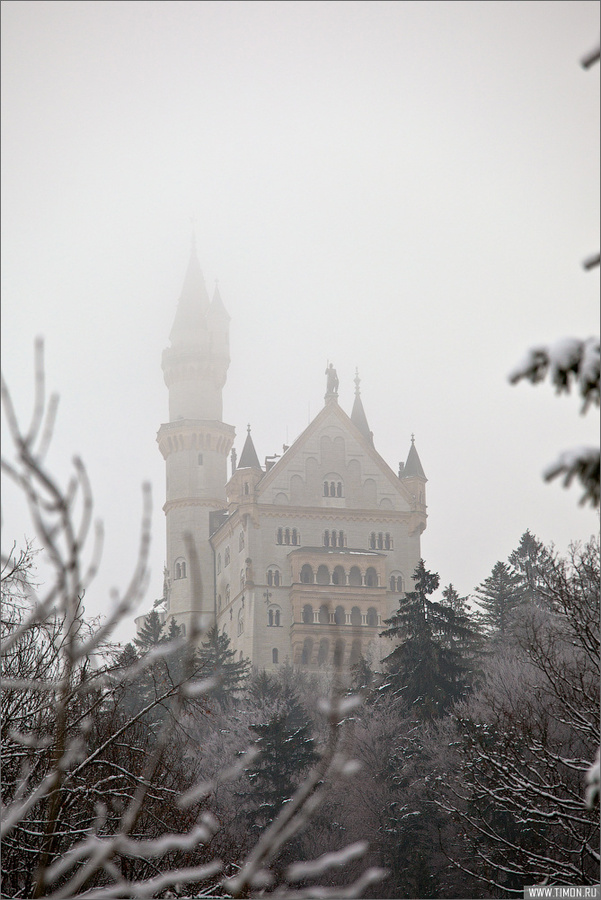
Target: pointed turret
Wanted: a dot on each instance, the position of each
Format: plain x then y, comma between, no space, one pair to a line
248,457
217,310
413,465
358,417
190,317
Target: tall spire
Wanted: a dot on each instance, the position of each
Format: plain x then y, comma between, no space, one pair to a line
358,417
248,457
193,303
413,465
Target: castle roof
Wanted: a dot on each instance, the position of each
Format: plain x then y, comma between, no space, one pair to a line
192,305
413,465
248,457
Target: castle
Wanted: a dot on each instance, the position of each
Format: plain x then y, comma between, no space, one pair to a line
298,561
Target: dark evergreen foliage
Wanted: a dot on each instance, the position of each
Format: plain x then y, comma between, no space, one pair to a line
217,659
499,597
427,670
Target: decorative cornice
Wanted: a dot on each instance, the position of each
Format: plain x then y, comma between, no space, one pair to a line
192,501
190,434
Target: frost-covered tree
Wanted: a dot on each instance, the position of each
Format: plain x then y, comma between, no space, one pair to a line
499,597
520,748
217,659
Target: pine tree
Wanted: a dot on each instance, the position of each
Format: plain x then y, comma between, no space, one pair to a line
499,597
286,751
218,660
531,561
427,669
151,632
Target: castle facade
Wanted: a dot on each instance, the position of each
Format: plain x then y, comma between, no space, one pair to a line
298,560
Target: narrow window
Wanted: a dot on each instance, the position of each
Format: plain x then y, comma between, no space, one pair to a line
280,536
274,655
372,541
332,489
339,489
269,577
294,536
270,617
276,578
287,536
387,541
241,579
326,538
241,541
226,558
380,540
325,489
277,617
246,488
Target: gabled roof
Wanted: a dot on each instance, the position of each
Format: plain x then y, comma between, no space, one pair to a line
190,316
413,465
332,412
248,457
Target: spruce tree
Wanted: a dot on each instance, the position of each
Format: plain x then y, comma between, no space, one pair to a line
427,670
151,633
286,750
499,597
217,659
533,563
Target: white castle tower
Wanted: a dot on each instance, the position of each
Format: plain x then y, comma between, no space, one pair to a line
195,444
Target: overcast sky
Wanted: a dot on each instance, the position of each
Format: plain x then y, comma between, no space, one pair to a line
404,187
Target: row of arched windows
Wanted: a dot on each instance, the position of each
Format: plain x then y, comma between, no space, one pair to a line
340,616
396,583
323,652
380,541
334,538
287,536
339,576
180,569
274,617
332,489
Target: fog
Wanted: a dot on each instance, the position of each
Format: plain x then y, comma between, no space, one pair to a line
406,188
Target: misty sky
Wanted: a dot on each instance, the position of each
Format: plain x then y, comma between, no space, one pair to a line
404,187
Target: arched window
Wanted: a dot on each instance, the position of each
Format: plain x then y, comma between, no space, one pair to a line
241,622
338,576
332,488
219,603
287,536
338,652
326,538
279,536
277,618
307,652
307,614
274,617
372,541
295,539
306,574
241,541
355,576
371,577
269,577
227,593
324,614
387,541
274,655
180,568
200,459
380,541
341,540
339,616
372,617
396,583
322,656
226,557
218,563
355,652
326,489
355,616
270,618
246,488
339,489
323,575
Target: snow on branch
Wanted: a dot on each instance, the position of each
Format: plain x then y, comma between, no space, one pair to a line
569,361
581,463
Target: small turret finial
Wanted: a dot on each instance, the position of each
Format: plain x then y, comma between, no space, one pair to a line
248,428
193,237
412,438
357,382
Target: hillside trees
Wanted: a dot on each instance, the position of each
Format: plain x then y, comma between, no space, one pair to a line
99,799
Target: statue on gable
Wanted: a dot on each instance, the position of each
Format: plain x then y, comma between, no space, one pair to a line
332,380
